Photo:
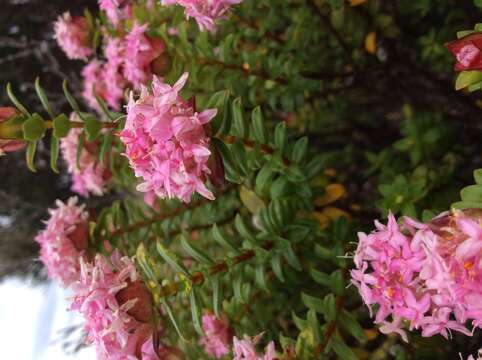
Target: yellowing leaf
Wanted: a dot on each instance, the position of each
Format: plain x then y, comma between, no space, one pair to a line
357,2
333,193
371,43
330,172
371,334
322,219
251,200
334,213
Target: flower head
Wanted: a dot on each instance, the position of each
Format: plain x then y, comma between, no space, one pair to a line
424,274
467,52
166,143
63,241
112,72
89,176
205,12
116,306
93,77
140,52
218,335
245,349
72,34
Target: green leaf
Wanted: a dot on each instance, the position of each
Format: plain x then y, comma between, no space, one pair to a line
219,100
478,175
277,268
34,128
320,277
243,229
341,349
217,295
54,153
264,179
260,277
280,136
348,321
92,127
239,125
171,316
239,156
30,154
61,125
329,304
231,170
300,323
103,105
314,303
141,258
461,205
199,255
337,283
195,312
259,130
71,100
467,78
15,101
43,98
221,239
472,193
106,145
292,258
171,259
300,150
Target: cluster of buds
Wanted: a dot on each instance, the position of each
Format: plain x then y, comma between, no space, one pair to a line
10,130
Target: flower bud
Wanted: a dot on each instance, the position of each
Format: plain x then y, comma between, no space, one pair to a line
142,309
10,130
467,52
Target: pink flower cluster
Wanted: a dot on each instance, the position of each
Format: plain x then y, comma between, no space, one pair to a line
128,61
90,177
218,335
427,275
245,349
72,35
116,307
166,143
116,10
205,12
63,241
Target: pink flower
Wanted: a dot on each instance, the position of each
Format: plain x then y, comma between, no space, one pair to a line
166,143
245,349
112,72
217,338
63,241
72,34
90,177
117,308
116,10
140,52
205,12
93,76
425,274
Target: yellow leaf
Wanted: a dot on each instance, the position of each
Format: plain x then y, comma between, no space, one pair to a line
333,192
334,213
371,43
252,202
330,172
357,2
371,334
322,219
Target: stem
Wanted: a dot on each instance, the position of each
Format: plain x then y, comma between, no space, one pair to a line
198,277
49,124
161,217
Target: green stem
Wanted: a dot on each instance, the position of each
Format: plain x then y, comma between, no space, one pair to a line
198,277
